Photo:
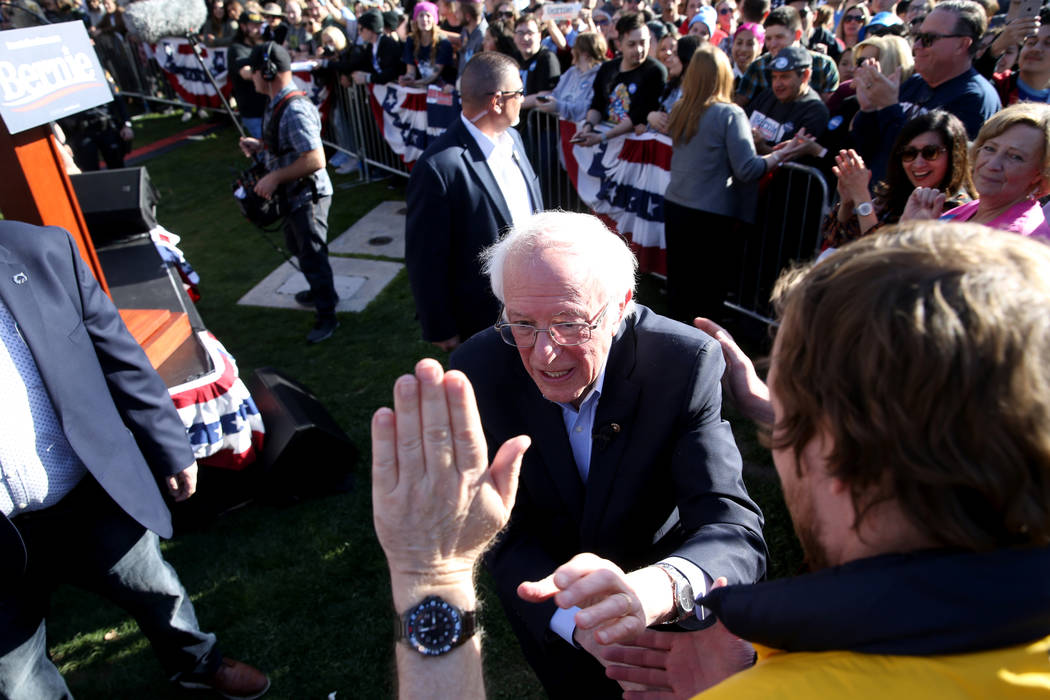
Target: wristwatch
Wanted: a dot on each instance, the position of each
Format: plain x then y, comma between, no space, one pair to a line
864,209
681,590
434,626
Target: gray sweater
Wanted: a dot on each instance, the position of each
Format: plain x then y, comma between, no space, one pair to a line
718,170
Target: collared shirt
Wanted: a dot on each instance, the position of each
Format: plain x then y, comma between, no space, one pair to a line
579,424
502,160
37,464
299,132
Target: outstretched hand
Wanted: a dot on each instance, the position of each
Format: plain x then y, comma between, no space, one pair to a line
615,606
436,502
740,382
669,665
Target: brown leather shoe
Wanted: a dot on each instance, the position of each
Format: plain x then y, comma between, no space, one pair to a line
233,679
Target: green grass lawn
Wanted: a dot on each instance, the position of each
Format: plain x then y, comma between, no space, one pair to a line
300,591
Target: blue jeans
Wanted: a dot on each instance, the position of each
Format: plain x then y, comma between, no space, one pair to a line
89,541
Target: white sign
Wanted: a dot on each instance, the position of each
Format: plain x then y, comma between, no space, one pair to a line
46,73
561,11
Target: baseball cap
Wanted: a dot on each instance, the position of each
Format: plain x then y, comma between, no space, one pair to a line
278,55
791,58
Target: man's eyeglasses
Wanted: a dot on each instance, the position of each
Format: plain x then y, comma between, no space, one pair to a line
928,153
928,39
853,18
522,335
504,94
505,14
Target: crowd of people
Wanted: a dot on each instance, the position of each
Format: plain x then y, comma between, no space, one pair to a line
872,97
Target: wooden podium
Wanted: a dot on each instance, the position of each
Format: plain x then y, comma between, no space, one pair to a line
37,190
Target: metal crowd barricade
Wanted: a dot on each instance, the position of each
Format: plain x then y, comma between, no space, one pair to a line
136,73
543,148
369,145
791,211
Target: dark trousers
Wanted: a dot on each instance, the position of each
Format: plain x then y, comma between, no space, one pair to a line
88,146
89,541
306,235
704,255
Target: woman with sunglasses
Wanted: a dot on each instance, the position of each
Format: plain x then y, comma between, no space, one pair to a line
930,151
1011,171
853,19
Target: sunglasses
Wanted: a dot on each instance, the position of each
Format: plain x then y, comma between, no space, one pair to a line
853,18
504,94
505,13
725,10
928,39
928,153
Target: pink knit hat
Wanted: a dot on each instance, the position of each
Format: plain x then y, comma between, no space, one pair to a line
424,6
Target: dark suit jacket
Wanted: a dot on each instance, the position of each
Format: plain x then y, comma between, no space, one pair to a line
113,407
455,209
672,449
359,57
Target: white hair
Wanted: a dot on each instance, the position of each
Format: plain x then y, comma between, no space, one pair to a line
604,256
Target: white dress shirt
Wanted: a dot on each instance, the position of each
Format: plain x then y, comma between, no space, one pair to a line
502,160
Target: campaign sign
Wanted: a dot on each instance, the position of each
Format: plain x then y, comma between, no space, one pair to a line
46,73
561,11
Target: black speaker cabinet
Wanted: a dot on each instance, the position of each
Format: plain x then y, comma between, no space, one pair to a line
305,452
116,203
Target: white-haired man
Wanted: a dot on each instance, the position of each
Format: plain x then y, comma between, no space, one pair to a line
632,459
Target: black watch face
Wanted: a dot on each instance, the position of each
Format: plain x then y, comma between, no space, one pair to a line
433,627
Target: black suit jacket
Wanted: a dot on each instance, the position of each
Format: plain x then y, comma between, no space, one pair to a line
388,55
456,209
114,408
670,449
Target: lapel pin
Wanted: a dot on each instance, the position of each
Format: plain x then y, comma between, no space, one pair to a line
20,278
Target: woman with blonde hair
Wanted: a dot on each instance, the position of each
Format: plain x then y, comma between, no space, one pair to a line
428,54
703,215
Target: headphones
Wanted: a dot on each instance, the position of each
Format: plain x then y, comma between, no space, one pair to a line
268,68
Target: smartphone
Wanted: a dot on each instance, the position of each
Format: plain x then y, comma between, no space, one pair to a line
1026,8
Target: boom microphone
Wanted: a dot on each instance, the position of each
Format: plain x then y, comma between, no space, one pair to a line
152,20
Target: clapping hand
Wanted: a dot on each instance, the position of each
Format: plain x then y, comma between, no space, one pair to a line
924,203
876,91
853,177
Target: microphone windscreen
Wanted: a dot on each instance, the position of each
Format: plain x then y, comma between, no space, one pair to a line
152,20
